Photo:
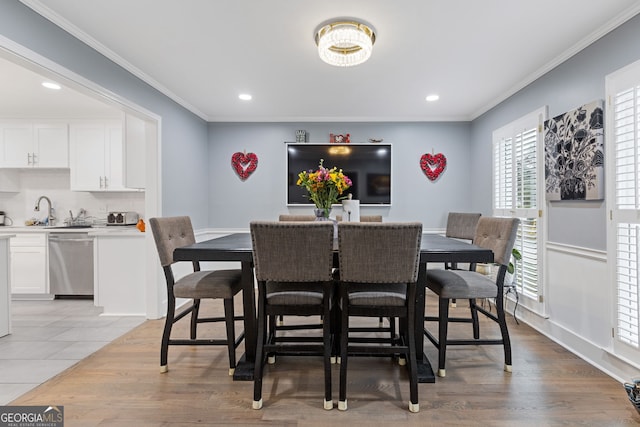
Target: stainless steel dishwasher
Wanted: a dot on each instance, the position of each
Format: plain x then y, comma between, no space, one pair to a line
70,264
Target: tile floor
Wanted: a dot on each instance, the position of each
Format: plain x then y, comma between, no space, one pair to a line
49,337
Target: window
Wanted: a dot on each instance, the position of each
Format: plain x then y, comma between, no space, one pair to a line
517,183
623,203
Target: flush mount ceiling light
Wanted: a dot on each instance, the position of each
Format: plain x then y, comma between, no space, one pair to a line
345,43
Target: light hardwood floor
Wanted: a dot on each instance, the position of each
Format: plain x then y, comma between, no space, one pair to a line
121,385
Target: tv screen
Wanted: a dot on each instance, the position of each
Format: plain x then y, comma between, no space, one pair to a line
367,165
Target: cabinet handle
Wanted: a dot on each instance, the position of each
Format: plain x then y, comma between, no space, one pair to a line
33,159
28,158
100,182
105,182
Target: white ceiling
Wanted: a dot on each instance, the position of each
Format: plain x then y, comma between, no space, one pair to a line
203,53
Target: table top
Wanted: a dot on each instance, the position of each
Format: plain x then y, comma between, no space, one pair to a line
237,247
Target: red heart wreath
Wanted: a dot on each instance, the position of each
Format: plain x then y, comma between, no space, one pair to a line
244,164
433,165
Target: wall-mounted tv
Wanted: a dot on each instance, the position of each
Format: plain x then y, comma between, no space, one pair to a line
368,166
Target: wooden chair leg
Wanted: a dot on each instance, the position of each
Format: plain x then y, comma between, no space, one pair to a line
231,333
344,340
326,340
443,324
414,405
166,334
504,331
474,319
194,318
260,356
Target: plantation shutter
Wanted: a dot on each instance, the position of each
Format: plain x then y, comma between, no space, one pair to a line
516,181
623,201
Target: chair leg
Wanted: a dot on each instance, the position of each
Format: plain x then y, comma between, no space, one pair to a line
194,318
326,340
259,364
166,334
414,405
344,340
443,324
231,333
506,341
474,319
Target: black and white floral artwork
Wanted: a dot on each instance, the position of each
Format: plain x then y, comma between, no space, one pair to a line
574,154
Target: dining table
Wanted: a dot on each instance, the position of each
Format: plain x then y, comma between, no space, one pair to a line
434,248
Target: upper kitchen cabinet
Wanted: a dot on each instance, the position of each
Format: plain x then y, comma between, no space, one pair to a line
96,156
29,144
136,133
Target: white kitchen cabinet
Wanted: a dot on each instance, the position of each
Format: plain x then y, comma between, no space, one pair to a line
96,156
29,144
29,263
135,141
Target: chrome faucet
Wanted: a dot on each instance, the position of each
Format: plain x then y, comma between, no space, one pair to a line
52,219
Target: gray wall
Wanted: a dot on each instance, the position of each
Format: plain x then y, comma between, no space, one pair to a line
577,81
184,135
233,203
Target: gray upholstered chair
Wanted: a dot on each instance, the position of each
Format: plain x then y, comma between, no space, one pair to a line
378,274
497,234
461,225
293,266
285,217
364,218
170,233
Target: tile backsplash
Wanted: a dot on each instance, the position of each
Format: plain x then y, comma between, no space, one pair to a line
55,184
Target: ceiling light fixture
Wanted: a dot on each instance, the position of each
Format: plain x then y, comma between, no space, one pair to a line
245,97
431,98
51,85
345,43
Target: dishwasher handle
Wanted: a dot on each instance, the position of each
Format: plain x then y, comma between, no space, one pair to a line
63,238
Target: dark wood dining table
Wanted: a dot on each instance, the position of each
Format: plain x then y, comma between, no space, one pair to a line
435,248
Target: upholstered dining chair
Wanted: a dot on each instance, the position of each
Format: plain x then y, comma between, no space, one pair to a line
460,225
497,234
364,218
378,274
285,217
293,267
170,233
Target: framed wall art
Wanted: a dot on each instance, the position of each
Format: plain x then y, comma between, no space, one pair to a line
574,154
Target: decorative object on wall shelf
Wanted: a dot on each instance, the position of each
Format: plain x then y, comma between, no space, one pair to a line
375,140
574,154
301,135
339,138
244,164
433,165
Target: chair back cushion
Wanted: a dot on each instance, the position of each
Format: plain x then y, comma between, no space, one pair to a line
462,225
170,233
292,251
379,252
497,234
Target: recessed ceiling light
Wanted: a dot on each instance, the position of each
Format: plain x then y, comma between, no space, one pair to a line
431,98
245,97
51,85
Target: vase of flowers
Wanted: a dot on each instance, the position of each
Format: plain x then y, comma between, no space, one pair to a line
325,187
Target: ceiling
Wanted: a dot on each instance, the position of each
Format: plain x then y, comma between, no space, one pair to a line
204,53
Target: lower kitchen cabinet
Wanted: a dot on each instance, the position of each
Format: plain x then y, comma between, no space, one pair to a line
119,271
29,263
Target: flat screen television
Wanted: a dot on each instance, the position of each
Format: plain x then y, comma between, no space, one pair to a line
367,165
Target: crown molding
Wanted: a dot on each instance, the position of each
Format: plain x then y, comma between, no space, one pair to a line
41,9
581,45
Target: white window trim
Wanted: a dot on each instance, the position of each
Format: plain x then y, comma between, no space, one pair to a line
536,305
615,82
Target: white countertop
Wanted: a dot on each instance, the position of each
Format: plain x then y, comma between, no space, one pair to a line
92,231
